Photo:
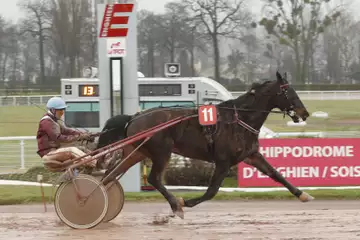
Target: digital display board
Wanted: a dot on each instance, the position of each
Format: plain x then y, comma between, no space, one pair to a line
147,90
89,90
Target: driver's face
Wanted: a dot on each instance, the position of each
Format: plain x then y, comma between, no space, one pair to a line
59,113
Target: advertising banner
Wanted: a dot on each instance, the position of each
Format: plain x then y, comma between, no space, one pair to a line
116,47
307,162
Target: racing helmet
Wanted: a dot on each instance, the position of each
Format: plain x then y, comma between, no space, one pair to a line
56,103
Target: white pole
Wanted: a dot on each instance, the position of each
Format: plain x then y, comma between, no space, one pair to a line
22,154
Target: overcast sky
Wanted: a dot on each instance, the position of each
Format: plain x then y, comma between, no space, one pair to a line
9,9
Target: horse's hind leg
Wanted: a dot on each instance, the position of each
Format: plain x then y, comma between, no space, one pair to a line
154,178
218,177
259,162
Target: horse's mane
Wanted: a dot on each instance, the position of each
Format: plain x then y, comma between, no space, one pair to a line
257,85
250,93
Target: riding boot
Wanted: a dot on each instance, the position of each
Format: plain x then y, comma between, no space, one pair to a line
117,155
110,160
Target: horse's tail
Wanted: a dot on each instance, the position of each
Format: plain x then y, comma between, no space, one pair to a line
114,130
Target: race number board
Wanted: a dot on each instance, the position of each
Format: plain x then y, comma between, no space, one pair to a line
207,115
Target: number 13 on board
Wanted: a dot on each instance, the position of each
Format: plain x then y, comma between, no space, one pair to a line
207,115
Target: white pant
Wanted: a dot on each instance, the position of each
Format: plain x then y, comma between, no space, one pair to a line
67,153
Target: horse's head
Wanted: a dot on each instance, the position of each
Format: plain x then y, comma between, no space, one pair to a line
287,100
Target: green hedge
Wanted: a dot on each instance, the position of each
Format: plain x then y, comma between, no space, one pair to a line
194,173
31,175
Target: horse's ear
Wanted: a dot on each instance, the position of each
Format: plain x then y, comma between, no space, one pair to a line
279,77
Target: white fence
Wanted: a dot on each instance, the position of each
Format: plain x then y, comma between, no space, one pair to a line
24,100
18,153
304,95
321,95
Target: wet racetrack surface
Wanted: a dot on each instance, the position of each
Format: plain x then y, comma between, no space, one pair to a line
209,220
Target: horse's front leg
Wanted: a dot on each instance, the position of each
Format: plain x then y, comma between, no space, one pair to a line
155,179
259,162
220,173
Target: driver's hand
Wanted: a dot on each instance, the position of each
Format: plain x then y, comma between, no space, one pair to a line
85,136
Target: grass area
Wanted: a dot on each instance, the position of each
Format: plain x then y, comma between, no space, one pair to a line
343,116
10,195
20,120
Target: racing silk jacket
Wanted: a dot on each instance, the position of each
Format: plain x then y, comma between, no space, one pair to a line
51,134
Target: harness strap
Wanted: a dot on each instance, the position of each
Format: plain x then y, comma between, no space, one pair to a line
243,124
248,127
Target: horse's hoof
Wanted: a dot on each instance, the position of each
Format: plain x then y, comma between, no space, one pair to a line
179,213
181,201
305,197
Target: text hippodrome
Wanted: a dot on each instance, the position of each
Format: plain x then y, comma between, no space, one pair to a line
307,151
307,172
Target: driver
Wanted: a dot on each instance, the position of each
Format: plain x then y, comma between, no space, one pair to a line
52,133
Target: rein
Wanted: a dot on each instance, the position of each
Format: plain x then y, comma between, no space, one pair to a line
243,124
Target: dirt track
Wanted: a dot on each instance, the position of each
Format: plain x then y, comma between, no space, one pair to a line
210,220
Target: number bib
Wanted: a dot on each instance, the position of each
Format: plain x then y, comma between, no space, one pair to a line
207,115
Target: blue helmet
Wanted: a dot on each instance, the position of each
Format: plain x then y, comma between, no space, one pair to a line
56,103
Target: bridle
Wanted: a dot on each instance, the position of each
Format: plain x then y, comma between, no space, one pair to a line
290,111
284,91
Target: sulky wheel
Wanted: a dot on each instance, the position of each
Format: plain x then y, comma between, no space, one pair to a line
116,199
92,207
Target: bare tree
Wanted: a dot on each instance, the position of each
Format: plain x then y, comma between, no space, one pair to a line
172,24
181,33
28,58
3,47
219,18
346,33
297,26
235,59
73,35
274,52
37,24
148,40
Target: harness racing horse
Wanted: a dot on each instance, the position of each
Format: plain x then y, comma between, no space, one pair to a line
235,138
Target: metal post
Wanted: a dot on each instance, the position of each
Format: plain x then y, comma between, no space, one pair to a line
22,154
130,98
128,82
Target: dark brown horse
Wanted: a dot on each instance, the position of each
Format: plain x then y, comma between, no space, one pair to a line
234,138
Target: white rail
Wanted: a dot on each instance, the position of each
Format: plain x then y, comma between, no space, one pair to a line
14,151
24,100
321,95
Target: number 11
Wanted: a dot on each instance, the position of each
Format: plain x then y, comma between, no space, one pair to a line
207,111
